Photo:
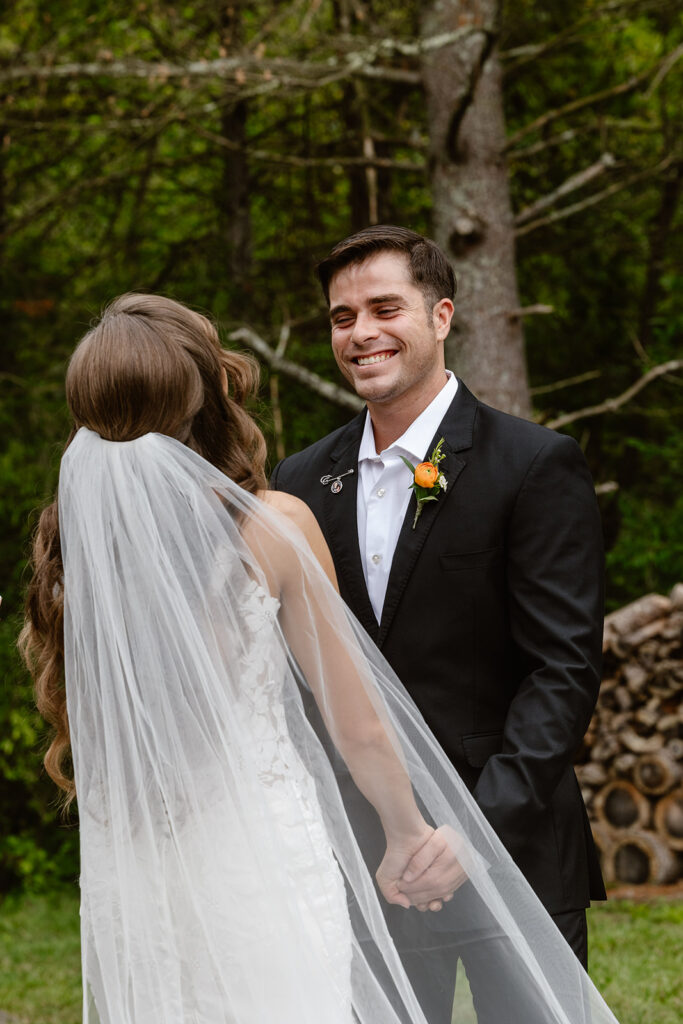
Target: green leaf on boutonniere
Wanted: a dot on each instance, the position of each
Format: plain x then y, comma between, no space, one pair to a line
409,464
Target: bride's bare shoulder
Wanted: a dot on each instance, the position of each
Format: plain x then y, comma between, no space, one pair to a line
294,508
299,513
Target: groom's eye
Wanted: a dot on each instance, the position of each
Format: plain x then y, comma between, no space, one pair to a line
387,310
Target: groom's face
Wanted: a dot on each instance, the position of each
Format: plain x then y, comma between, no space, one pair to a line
386,343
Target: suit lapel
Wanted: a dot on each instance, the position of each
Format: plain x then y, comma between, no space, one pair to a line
456,428
341,526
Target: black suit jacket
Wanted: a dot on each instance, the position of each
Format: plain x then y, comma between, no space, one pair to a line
492,620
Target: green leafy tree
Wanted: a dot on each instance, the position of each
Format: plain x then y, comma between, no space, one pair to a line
213,152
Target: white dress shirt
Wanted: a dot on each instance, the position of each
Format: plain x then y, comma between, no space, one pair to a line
384,490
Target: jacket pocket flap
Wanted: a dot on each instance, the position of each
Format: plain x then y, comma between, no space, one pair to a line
470,559
481,746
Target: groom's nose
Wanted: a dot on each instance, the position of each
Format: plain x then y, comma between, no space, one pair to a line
365,328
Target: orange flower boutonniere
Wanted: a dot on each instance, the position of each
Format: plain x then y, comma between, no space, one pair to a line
428,480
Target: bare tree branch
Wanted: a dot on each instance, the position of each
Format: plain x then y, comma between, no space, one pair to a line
521,55
431,43
626,124
664,70
386,74
271,157
539,147
572,33
612,404
283,11
597,197
586,101
572,184
275,73
539,309
545,389
325,388
360,61
61,199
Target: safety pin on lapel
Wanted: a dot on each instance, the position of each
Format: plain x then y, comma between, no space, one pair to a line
335,480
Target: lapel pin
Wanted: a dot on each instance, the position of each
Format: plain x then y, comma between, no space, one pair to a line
337,485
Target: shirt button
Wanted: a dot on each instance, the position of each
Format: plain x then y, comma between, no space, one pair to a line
376,558
381,492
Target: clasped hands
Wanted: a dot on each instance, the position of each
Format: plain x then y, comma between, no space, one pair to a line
423,873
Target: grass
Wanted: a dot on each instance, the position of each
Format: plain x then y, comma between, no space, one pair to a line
635,959
634,955
40,976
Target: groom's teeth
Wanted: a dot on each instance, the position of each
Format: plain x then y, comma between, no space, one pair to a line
367,360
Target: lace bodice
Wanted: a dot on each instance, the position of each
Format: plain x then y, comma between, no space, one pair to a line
262,709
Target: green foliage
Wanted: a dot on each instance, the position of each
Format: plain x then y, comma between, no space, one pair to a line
648,552
141,182
612,271
36,848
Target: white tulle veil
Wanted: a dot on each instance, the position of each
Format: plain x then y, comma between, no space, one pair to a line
227,857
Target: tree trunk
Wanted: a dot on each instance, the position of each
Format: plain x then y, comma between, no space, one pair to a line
660,233
354,113
233,200
472,213
358,181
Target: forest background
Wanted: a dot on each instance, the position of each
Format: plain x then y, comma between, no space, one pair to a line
213,151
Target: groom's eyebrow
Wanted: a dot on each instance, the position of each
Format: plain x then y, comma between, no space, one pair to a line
340,309
376,300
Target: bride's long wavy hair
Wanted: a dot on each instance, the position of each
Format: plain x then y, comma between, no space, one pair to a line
149,365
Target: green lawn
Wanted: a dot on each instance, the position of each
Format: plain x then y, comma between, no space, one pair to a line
636,959
635,952
40,976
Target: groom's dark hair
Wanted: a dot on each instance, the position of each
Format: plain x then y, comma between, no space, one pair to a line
429,267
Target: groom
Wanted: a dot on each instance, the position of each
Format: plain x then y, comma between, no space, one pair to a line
489,607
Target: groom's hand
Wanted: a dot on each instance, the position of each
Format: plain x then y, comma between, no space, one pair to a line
399,854
434,872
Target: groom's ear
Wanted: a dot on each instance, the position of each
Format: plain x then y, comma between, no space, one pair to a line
442,314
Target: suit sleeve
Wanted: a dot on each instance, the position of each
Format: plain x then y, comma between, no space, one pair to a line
555,607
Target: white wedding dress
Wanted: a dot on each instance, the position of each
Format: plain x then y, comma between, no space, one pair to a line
223,847
230,949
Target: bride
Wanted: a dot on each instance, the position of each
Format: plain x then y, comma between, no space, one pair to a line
235,741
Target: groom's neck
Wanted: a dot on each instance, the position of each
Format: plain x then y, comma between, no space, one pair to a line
391,418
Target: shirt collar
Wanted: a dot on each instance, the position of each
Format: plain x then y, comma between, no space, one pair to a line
415,440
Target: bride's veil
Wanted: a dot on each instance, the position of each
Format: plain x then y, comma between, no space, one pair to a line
227,857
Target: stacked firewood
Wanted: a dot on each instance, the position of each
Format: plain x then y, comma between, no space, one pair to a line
630,767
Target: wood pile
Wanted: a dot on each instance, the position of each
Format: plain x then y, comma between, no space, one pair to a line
630,766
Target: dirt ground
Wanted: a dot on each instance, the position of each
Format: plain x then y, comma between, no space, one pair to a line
647,893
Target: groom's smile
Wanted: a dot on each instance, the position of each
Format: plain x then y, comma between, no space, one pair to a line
377,357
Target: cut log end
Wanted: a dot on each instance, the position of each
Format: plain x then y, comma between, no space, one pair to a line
668,818
656,773
620,805
643,857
